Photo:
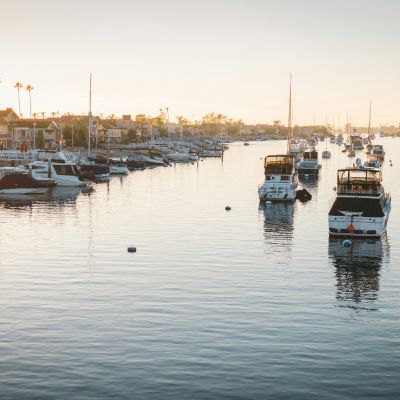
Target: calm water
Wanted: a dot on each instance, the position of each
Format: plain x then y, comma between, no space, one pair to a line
248,304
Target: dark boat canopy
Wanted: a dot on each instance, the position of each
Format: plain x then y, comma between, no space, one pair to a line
370,208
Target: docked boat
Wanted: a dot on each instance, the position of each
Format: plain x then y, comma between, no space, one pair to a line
94,172
18,181
141,161
368,148
63,173
356,142
377,153
280,179
118,167
210,153
361,207
309,164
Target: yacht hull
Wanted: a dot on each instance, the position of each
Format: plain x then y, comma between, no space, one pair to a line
276,193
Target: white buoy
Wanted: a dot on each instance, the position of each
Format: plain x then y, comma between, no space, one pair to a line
131,249
347,243
268,203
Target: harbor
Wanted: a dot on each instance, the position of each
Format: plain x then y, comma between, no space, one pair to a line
72,295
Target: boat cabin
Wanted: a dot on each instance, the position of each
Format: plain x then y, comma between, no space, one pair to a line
310,155
282,165
359,182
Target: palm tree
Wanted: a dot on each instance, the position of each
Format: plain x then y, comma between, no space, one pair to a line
29,88
19,85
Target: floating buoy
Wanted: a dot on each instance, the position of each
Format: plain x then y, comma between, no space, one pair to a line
391,164
228,208
350,228
131,249
347,243
334,188
303,195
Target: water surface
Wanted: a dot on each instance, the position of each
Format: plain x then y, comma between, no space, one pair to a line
253,303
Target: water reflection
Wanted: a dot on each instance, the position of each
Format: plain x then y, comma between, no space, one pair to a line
278,224
358,271
57,195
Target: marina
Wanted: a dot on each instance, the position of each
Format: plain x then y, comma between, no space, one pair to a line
279,286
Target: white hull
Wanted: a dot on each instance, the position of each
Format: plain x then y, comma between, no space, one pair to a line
276,192
24,191
363,226
117,170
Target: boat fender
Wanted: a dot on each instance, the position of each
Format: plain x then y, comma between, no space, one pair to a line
350,228
228,208
347,243
131,249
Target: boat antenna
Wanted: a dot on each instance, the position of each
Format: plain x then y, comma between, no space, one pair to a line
90,113
290,132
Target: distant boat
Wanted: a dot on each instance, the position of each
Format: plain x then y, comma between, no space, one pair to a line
309,164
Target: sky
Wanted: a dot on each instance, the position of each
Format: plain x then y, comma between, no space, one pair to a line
226,56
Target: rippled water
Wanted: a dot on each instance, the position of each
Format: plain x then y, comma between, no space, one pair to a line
253,303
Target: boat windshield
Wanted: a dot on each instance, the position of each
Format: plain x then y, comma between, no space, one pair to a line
310,155
359,181
278,165
66,170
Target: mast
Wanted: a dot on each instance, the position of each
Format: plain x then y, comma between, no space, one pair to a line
290,131
90,114
369,120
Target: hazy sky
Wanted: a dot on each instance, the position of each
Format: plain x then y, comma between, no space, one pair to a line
227,56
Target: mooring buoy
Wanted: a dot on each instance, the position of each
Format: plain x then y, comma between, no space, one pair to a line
131,249
347,243
228,208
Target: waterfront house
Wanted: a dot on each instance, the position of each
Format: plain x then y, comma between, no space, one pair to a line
6,116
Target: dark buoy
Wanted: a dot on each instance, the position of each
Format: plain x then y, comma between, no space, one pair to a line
131,249
347,243
228,208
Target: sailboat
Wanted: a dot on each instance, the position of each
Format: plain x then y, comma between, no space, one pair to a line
89,169
281,179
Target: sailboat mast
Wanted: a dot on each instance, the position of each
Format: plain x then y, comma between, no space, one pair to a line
290,116
369,120
90,114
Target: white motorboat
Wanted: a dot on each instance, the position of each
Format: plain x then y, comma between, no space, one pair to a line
64,173
15,180
280,179
118,167
309,164
210,153
361,207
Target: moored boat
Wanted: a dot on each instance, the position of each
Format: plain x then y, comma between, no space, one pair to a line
18,181
309,164
280,179
361,207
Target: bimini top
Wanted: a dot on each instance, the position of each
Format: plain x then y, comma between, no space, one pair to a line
281,164
359,181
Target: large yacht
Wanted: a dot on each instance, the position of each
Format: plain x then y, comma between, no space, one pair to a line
280,179
309,164
361,207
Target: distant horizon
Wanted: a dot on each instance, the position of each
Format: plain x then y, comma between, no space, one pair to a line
230,57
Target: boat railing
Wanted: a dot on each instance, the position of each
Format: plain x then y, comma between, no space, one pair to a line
359,188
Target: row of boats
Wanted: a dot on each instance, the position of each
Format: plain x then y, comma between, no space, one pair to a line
37,171
361,207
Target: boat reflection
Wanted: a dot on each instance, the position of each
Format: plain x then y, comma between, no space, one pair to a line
278,224
357,270
56,195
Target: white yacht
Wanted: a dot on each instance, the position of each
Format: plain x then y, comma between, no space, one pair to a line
118,167
280,178
361,207
309,164
63,173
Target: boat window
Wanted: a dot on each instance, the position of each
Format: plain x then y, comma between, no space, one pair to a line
65,170
359,181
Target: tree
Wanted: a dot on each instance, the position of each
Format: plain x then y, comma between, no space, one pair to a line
19,85
29,88
182,120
